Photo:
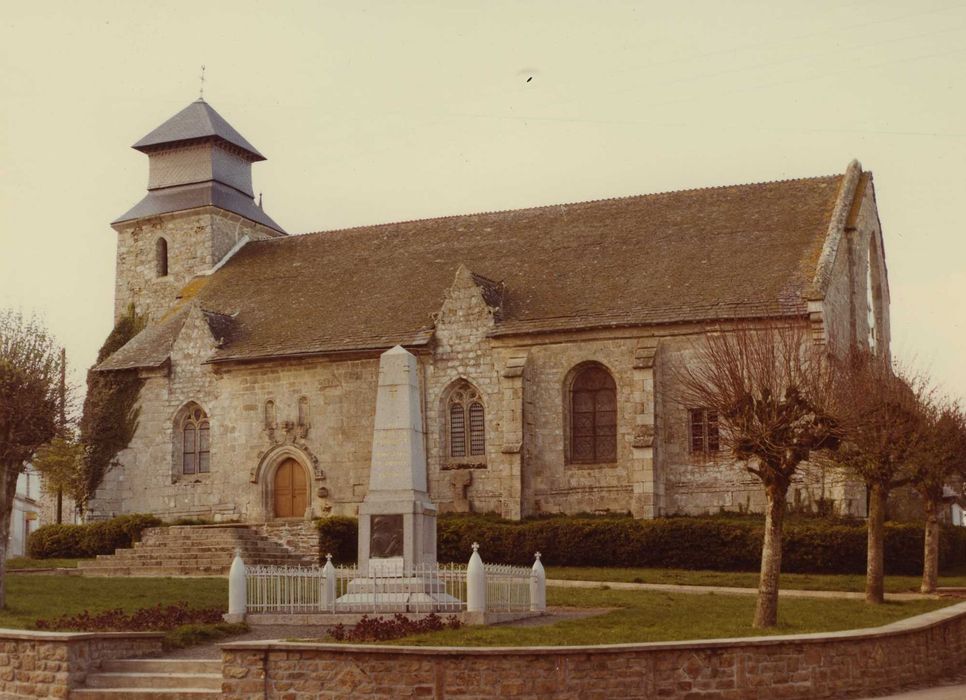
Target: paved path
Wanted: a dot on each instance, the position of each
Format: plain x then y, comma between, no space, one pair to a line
725,590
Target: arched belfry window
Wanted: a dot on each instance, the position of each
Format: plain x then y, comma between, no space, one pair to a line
161,257
195,441
466,424
593,416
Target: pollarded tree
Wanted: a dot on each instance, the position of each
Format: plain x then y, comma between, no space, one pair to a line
770,387
881,413
29,382
939,463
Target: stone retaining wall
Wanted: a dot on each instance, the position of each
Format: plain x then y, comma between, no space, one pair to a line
796,666
49,664
299,536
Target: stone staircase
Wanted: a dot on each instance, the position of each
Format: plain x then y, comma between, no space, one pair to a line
150,679
194,550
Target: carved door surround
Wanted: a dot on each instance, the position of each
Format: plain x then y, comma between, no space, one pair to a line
274,476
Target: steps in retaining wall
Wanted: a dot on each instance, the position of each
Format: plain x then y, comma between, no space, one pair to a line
153,679
197,550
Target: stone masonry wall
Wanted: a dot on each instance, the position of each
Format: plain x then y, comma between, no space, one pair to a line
806,667
333,445
698,483
845,308
522,474
197,239
558,486
463,353
48,665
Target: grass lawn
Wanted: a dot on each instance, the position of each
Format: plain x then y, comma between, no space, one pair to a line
651,616
28,563
747,579
31,597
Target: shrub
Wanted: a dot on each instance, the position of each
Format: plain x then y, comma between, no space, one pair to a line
89,540
159,617
50,541
381,629
811,545
339,536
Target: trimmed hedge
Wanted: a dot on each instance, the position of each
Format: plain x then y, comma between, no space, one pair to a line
339,536
810,546
103,537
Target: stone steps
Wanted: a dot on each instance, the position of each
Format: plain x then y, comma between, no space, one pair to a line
153,679
193,550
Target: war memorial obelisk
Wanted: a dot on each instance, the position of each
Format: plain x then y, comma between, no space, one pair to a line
397,519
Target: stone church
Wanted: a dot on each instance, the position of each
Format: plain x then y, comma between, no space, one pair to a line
543,337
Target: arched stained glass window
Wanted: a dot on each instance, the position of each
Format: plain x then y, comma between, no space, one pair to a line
196,442
466,431
593,416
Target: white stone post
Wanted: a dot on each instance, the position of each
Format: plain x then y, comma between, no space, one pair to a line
328,585
538,586
237,590
475,583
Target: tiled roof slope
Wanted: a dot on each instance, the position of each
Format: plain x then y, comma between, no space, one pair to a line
726,252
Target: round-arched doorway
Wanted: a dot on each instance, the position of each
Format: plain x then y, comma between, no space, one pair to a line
291,490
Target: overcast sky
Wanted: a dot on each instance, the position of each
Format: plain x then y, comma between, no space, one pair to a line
372,112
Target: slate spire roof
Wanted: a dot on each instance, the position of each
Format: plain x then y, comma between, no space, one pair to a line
198,120
197,159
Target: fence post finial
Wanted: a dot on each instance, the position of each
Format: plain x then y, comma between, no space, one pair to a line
538,585
475,583
328,585
237,589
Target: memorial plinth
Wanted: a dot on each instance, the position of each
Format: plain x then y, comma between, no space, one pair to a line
397,519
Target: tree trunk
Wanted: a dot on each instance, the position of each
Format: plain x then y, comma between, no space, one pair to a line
875,570
930,559
8,491
766,610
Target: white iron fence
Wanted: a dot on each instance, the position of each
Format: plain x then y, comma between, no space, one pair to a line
447,588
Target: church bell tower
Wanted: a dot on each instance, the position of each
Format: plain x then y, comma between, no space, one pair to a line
198,209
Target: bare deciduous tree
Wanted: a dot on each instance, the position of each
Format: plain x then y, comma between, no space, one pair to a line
29,380
880,413
770,386
940,462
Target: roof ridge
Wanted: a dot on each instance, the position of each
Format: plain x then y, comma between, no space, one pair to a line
541,207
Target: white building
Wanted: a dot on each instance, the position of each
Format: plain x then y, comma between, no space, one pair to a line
26,512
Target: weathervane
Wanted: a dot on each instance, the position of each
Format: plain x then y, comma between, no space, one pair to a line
201,92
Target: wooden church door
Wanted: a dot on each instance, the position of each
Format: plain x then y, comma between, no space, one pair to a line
291,494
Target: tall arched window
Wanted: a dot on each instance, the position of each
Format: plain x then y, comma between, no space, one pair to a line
161,257
466,424
195,442
871,280
593,416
